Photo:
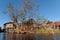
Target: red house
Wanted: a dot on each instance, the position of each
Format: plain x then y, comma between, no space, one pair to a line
57,24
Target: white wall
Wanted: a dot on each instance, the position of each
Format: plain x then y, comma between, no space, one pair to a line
9,25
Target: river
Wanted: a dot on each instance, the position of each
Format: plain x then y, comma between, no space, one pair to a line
14,36
1,36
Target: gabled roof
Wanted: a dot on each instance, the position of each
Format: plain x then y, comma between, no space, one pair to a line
8,23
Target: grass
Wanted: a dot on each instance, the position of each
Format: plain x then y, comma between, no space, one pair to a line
58,31
47,31
42,31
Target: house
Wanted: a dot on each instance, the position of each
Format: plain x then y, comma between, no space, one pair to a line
8,26
57,25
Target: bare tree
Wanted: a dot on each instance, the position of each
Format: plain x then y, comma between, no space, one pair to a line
13,15
28,10
41,19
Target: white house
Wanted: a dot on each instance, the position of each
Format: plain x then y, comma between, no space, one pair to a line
8,26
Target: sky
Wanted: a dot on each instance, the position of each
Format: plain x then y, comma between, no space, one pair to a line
50,9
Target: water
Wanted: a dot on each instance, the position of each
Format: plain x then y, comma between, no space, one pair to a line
15,36
56,37
1,36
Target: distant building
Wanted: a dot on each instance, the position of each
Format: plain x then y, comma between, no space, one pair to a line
57,25
8,26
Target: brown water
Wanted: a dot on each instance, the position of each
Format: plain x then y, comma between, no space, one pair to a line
15,36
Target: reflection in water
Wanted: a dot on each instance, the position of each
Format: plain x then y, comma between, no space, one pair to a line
56,36
1,36
44,37
15,36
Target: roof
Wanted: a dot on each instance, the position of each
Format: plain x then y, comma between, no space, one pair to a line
8,23
57,23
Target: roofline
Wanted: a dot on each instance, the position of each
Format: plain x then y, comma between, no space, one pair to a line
8,23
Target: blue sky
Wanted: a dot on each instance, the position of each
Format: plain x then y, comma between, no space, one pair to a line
48,8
